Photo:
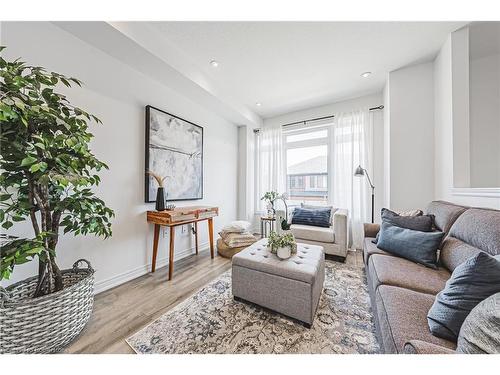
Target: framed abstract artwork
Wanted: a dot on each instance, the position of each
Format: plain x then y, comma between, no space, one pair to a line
174,148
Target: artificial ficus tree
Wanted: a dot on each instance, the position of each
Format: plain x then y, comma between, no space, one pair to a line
47,169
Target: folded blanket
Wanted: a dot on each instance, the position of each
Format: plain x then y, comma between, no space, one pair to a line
237,239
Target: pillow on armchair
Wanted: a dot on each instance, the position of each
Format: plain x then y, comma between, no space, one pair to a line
311,207
319,217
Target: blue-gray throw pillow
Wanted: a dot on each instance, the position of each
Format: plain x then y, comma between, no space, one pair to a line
414,245
471,282
313,217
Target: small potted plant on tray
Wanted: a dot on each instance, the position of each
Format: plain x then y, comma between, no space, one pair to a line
282,245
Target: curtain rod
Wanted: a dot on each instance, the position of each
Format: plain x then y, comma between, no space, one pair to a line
305,121
319,118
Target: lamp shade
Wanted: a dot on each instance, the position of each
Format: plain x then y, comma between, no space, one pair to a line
360,172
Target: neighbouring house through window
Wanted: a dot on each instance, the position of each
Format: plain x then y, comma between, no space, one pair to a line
306,160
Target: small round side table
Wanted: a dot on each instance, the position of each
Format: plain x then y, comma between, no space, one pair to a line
267,224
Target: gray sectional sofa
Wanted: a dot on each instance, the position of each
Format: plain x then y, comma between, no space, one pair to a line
402,292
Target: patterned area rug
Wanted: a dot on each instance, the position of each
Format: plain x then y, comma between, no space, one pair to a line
210,321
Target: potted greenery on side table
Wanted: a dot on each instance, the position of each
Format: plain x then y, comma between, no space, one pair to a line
47,175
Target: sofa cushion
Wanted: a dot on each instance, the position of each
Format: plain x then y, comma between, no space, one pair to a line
480,333
417,246
471,282
454,252
423,347
479,227
369,248
400,272
402,316
445,214
308,232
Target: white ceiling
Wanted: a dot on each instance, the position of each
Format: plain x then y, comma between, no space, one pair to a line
288,66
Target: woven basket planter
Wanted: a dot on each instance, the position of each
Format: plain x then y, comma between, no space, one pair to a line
46,324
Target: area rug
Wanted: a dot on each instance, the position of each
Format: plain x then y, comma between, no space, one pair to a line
210,321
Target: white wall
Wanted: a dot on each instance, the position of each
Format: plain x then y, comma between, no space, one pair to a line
117,94
485,121
410,94
445,165
369,101
387,145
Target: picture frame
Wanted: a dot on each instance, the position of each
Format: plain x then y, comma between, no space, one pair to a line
174,148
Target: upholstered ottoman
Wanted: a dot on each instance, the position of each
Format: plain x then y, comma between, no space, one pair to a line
291,287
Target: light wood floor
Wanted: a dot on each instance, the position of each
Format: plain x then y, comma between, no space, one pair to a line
122,311
125,309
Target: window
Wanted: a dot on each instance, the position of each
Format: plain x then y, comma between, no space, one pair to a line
307,164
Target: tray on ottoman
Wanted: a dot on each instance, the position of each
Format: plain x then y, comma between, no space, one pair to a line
291,287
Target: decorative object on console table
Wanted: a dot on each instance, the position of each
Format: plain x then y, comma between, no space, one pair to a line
177,217
360,172
160,194
174,146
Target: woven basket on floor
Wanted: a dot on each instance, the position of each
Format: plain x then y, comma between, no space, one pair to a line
46,324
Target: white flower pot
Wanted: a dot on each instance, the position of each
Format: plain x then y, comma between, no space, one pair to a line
284,252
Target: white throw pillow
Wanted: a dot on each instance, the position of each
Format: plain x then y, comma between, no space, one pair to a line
238,226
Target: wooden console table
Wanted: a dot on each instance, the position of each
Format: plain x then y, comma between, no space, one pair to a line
176,217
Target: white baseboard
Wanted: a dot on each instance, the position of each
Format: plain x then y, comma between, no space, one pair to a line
121,278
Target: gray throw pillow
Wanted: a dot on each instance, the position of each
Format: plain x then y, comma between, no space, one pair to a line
422,223
413,219
471,282
417,246
480,333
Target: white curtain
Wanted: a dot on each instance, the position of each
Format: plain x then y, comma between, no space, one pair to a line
351,144
270,164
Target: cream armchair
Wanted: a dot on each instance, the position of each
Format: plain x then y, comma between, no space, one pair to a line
333,239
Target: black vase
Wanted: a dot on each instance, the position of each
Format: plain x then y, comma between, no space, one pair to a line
160,200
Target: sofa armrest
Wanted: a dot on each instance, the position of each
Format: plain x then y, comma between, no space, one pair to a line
340,227
423,347
371,230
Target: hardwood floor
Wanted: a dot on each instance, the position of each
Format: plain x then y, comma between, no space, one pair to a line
122,311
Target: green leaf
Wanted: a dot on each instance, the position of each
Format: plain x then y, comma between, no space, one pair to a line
4,197
7,224
28,161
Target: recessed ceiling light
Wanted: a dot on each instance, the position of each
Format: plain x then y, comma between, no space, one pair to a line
214,63
366,74
258,104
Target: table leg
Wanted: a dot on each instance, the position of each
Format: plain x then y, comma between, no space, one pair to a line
171,255
155,246
211,236
262,229
196,236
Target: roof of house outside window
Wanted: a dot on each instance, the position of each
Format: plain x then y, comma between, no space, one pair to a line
316,165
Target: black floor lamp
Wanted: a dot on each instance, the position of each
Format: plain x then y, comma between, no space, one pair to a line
360,172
